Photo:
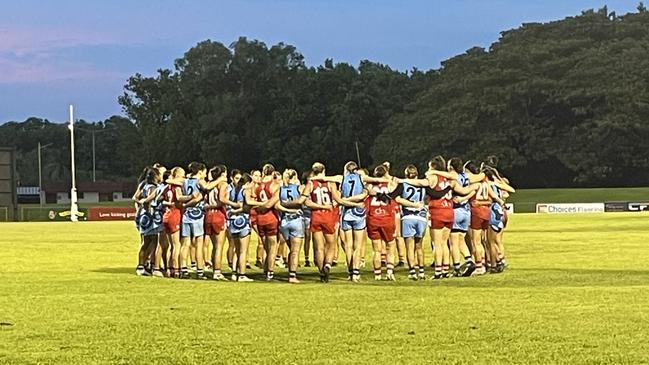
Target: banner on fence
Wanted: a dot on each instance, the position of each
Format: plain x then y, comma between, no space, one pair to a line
111,213
570,208
633,206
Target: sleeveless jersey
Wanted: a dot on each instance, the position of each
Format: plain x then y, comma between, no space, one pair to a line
380,213
463,180
446,202
321,194
414,194
240,220
264,193
351,185
286,194
197,212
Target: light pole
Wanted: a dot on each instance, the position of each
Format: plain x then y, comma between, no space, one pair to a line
74,209
40,172
94,131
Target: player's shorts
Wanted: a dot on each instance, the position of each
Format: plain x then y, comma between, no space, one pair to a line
325,223
239,225
479,220
192,228
413,227
292,228
214,228
441,218
497,217
383,231
353,218
461,220
146,224
267,229
171,220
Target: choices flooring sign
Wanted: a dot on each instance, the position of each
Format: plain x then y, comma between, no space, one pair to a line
570,208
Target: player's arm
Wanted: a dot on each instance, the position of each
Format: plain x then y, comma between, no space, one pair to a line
224,197
464,190
359,197
475,178
274,199
416,182
196,198
335,194
408,203
250,198
150,196
451,175
462,198
330,179
495,197
283,209
374,180
504,186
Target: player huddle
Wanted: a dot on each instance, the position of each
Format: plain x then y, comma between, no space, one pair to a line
184,218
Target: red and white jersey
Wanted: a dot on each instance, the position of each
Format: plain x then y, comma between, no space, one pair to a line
212,199
379,212
263,193
446,202
321,193
481,195
169,194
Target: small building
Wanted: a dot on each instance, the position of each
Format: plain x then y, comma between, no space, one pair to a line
88,192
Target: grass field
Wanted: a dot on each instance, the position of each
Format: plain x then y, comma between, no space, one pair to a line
576,292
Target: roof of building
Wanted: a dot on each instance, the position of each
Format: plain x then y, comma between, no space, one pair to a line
105,187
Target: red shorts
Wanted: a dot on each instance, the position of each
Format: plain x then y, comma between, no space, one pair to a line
171,220
441,218
214,222
480,217
381,230
324,222
253,217
267,229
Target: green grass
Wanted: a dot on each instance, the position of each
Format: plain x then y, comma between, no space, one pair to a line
525,200
576,292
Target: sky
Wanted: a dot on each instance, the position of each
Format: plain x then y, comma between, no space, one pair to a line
59,52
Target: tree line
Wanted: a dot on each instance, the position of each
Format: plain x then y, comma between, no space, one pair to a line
563,104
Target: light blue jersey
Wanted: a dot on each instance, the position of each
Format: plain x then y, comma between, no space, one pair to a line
352,217
497,213
197,212
463,180
288,193
238,223
414,194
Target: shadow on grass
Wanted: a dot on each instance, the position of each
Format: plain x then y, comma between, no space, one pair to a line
511,278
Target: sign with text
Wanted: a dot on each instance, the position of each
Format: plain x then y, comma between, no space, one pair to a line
570,208
111,213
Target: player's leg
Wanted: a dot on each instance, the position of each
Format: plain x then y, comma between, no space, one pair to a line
270,246
295,238
330,244
347,237
307,242
242,244
319,251
218,241
358,236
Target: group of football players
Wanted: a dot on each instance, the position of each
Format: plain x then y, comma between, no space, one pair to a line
185,217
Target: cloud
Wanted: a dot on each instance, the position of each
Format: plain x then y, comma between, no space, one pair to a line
33,55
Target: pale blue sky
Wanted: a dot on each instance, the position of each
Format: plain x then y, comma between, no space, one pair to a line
53,53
